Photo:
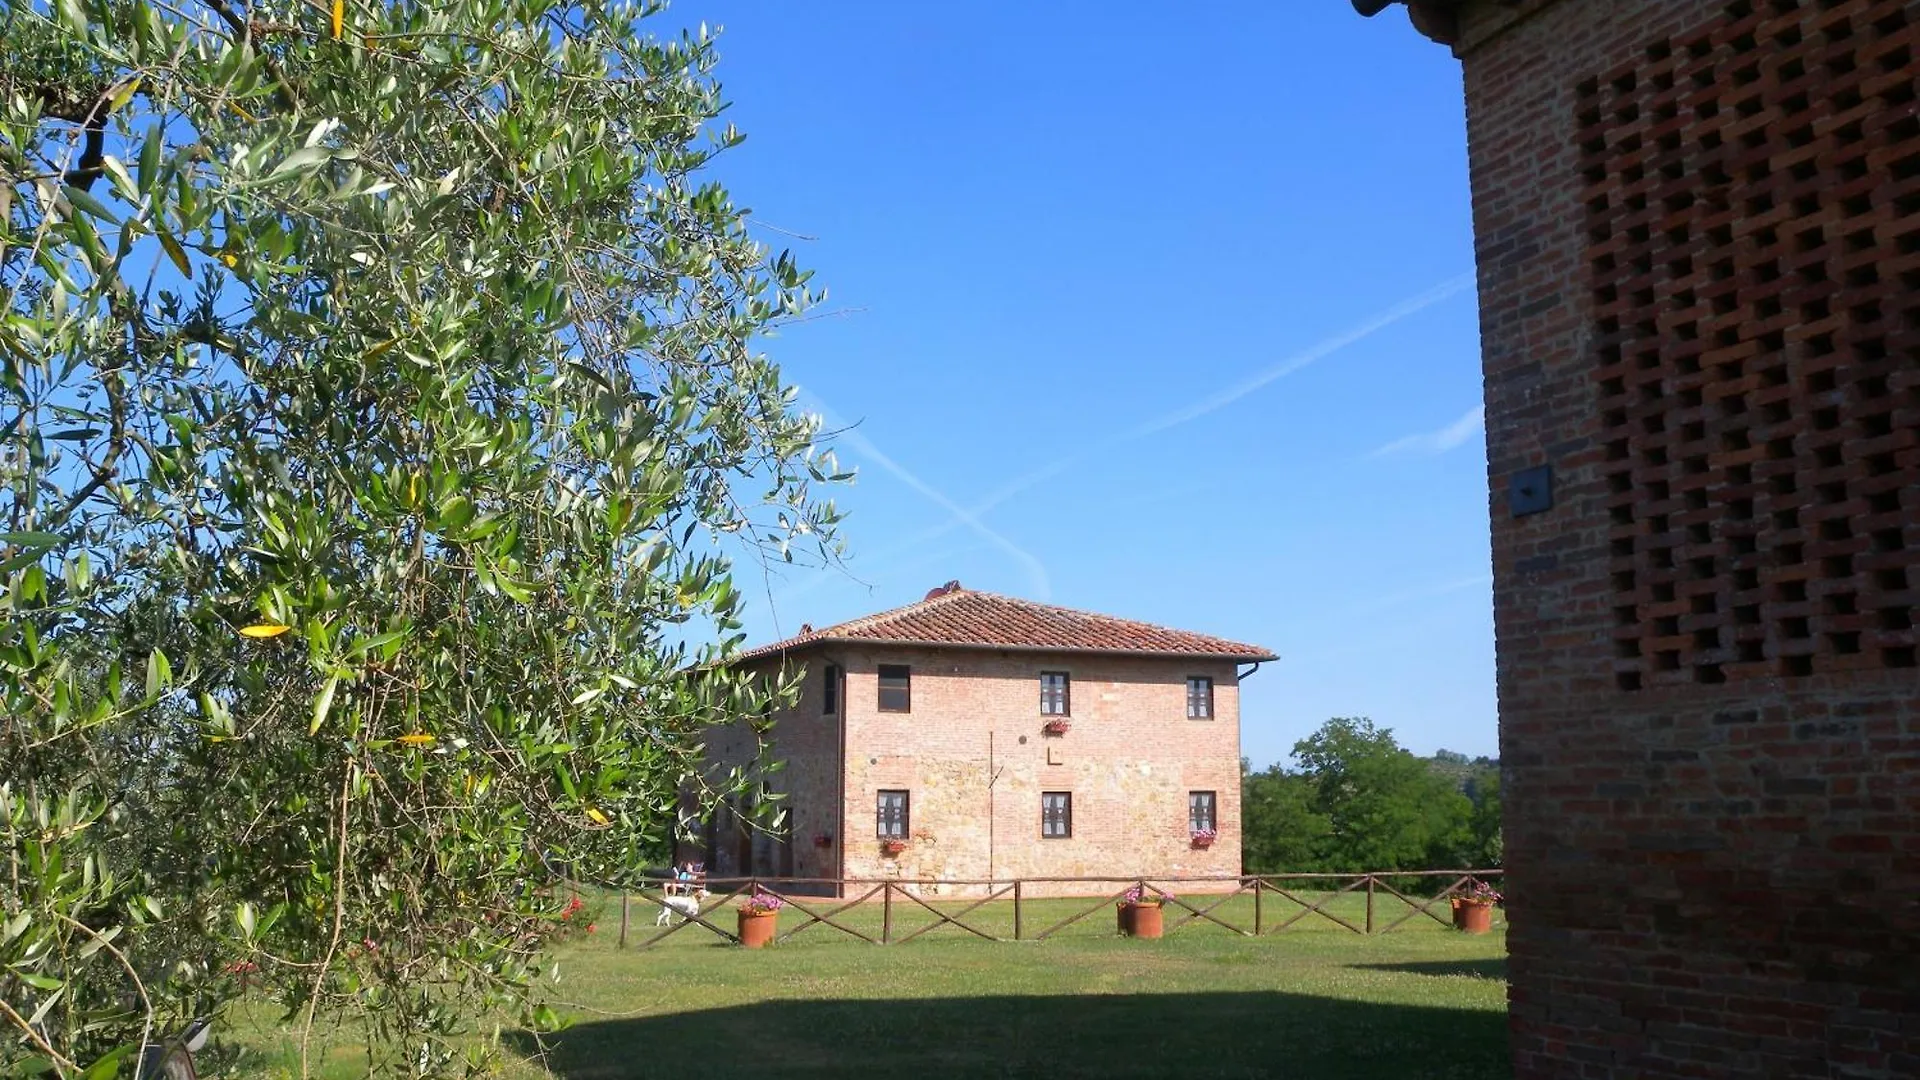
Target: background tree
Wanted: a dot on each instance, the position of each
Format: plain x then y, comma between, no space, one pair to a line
1281,830
1359,802
377,393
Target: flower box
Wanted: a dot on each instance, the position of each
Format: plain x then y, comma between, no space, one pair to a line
892,847
1057,727
1204,838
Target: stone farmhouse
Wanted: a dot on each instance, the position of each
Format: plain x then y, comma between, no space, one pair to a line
1698,234
972,737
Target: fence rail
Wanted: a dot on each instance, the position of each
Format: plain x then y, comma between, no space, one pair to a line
1297,897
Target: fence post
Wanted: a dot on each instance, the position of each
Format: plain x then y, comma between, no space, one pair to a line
623,919
1259,886
886,913
1016,909
1369,903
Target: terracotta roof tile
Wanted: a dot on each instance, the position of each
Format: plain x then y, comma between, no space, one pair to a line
954,617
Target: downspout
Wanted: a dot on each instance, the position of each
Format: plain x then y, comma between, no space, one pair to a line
991,777
1240,677
840,785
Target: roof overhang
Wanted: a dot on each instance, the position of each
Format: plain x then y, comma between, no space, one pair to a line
971,646
1438,19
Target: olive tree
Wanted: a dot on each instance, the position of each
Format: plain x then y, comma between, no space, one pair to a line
380,411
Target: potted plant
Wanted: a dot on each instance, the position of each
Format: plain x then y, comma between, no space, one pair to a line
1057,727
759,917
1140,914
1203,838
1473,909
893,845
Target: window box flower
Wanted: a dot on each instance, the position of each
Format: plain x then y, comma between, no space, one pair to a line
1057,727
892,846
1204,838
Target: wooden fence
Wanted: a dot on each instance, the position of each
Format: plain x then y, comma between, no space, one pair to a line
1279,901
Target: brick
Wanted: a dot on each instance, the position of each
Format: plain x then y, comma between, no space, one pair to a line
974,759
1722,197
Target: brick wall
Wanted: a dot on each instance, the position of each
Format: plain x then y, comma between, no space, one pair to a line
1698,231
1130,758
807,743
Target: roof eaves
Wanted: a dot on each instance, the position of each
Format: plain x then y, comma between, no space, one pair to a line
1250,655
1437,19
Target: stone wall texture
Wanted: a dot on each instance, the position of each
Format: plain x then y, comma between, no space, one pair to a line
1698,235
975,759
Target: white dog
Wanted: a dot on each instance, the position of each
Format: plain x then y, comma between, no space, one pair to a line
687,906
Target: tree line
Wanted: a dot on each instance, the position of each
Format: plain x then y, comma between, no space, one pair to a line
1355,800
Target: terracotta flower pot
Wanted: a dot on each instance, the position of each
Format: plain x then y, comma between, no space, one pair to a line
1140,920
1472,916
756,928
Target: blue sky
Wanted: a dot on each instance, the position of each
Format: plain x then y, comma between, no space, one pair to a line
1159,312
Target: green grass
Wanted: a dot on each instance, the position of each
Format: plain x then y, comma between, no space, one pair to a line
1311,1001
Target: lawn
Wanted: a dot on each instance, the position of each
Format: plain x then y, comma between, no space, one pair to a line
1311,1001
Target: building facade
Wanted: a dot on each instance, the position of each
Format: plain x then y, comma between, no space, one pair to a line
1698,234
974,738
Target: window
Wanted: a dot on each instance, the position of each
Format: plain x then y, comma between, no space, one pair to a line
1053,693
1056,814
1200,811
830,690
890,816
1199,697
896,688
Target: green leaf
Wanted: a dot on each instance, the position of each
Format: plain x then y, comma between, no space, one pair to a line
159,674
175,253
322,702
84,201
99,940
455,513
305,157
149,164
38,981
108,1066
73,16
244,918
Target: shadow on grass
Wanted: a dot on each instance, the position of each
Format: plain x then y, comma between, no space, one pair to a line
1257,1034
1493,967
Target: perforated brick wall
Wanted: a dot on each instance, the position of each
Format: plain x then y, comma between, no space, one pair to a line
1752,204
1695,224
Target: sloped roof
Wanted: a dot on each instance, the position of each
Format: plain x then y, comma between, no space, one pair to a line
953,617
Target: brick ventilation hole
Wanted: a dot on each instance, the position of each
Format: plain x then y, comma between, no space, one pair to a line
1753,218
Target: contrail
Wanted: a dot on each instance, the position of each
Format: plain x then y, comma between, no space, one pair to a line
972,516
1294,363
1473,423
1403,310
1036,571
